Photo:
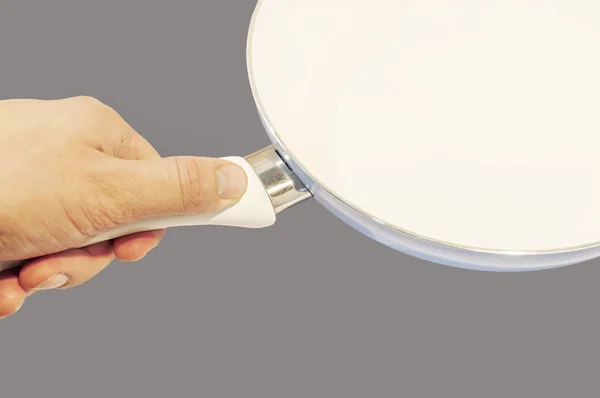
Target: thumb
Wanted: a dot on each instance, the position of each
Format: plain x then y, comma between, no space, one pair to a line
175,185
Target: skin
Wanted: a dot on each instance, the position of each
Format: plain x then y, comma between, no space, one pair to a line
72,169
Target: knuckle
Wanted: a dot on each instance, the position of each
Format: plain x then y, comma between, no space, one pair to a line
87,101
94,108
196,190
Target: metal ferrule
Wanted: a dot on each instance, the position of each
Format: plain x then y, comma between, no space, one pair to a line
281,183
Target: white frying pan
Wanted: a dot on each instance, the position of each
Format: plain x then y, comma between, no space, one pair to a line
463,132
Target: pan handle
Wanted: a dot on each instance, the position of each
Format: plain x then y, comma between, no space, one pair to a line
272,187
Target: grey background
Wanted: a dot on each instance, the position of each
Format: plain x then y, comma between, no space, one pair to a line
308,308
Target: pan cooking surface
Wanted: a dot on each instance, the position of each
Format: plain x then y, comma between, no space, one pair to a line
474,123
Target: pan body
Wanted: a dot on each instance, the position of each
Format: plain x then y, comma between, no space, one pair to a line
464,138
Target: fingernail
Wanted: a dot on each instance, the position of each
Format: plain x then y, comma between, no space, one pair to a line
53,283
231,181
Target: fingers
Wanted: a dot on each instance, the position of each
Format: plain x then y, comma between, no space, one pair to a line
132,190
66,269
135,247
12,295
69,268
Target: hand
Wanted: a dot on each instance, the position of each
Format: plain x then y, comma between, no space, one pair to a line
71,169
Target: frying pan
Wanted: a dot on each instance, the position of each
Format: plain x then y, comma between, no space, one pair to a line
461,132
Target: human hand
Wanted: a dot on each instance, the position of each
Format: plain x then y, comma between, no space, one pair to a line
71,169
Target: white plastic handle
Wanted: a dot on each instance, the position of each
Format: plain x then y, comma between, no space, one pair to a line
254,210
